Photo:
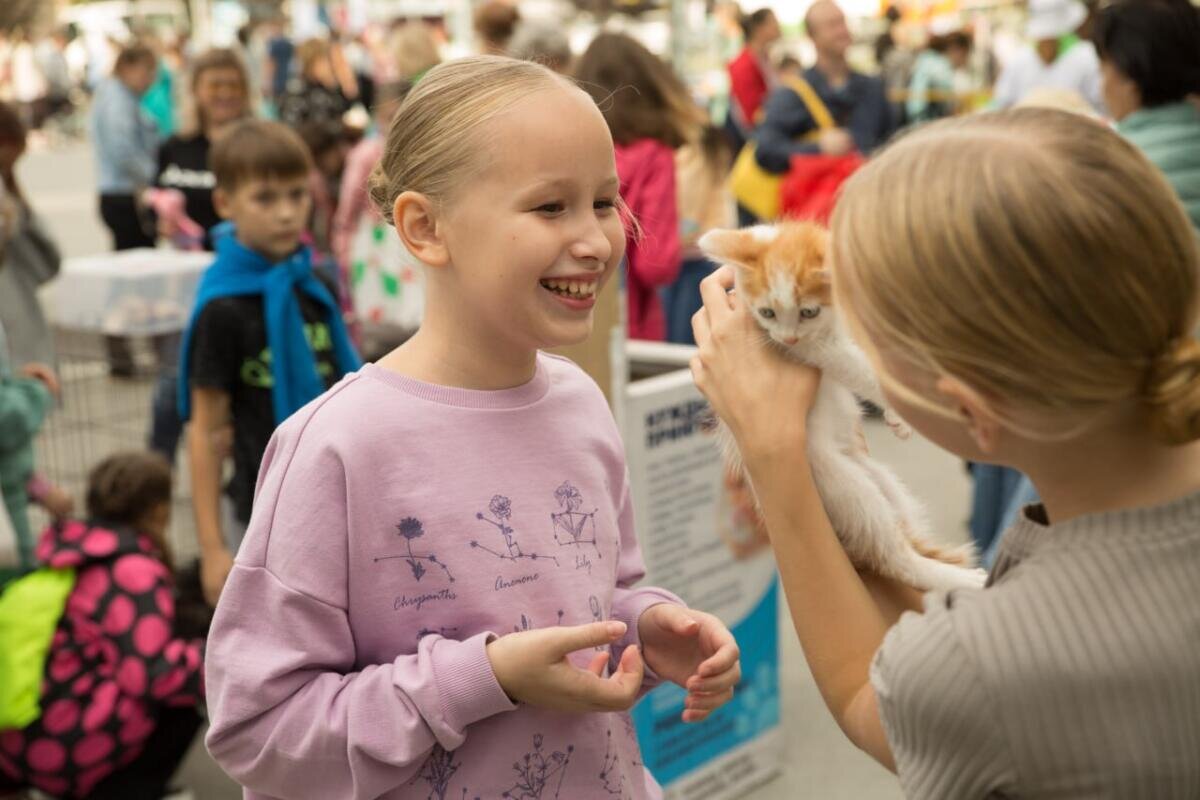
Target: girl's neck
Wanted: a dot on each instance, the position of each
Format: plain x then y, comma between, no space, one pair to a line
1110,471
448,355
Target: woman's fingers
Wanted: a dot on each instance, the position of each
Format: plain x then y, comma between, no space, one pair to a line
701,327
714,290
725,276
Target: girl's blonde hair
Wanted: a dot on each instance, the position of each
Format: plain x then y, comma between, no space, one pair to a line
1038,257
434,143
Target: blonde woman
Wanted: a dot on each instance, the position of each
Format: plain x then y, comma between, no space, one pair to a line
1032,305
220,96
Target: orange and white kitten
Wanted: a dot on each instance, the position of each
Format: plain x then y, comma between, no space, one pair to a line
782,277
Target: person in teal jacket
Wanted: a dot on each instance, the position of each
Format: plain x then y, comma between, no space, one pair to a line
931,91
25,398
1150,64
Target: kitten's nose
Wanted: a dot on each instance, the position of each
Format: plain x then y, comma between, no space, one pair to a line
791,340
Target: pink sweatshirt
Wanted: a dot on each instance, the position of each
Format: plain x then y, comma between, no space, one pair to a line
647,172
397,526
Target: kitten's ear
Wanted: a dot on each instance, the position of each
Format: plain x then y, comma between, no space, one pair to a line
742,248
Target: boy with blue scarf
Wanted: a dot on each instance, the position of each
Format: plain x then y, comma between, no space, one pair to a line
266,335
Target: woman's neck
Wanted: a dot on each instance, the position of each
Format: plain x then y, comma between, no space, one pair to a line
212,130
1109,471
447,354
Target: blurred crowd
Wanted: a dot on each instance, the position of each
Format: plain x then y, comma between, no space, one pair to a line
153,107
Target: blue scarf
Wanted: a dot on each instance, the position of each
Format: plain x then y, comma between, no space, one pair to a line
239,271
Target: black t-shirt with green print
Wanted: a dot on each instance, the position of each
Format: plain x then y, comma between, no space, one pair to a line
230,353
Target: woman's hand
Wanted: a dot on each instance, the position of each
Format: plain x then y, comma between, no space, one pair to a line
762,396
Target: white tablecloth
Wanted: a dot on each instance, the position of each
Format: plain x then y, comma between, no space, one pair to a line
130,293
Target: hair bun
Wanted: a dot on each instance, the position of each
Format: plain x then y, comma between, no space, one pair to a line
1173,392
377,186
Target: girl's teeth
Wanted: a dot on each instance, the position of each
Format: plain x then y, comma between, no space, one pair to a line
582,289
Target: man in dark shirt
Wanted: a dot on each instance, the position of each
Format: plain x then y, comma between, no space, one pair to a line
857,103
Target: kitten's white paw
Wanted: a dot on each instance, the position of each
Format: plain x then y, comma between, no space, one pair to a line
978,577
898,426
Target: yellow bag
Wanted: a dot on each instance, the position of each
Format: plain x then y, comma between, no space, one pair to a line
30,608
758,190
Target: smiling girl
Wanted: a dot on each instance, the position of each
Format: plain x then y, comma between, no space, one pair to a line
437,537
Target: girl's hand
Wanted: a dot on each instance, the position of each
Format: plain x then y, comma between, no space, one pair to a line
532,667
762,396
694,650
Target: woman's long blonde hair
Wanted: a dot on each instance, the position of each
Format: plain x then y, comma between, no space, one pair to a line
1036,256
438,135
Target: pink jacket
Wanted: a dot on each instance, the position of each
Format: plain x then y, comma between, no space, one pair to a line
647,172
113,664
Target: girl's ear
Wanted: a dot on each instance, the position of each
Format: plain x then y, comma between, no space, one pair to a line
416,221
742,248
974,410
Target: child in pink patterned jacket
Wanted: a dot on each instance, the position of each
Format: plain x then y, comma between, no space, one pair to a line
120,691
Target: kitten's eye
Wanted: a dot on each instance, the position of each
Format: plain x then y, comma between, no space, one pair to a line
809,313
767,313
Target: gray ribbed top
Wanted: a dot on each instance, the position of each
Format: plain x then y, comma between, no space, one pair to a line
1074,674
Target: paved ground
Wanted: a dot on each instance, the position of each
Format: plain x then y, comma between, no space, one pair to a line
101,415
